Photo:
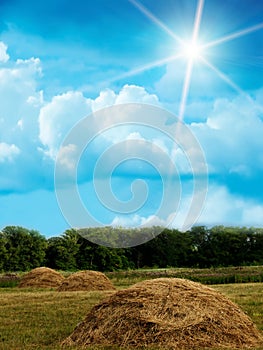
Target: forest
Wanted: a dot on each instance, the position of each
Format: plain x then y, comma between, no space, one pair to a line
22,249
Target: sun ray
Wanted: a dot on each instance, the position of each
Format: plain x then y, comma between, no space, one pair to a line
195,50
186,86
155,20
198,18
148,66
234,35
188,74
226,79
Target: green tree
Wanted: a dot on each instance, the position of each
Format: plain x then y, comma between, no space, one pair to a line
25,249
62,251
95,257
3,251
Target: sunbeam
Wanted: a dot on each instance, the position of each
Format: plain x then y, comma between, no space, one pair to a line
198,18
232,36
188,74
155,20
226,79
190,50
146,67
186,86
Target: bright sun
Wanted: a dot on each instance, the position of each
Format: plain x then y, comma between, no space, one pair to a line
192,50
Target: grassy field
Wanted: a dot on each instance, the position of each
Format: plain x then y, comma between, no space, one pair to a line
41,319
217,275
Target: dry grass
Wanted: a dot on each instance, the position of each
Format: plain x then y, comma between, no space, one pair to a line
86,281
170,313
41,319
41,277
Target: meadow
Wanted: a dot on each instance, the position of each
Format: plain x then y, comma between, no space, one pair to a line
41,319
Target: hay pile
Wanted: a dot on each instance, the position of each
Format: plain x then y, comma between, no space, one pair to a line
41,277
166,313
86,280
9,277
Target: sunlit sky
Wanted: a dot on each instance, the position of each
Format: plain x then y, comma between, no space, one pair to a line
62,60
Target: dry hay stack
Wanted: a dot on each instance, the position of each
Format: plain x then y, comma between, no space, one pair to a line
86,280
41,277
9,277
167,313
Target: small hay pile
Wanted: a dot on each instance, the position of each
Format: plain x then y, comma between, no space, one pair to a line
9,277
41,277
167,313
86,280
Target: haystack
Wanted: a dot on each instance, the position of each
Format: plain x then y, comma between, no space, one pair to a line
41,277
86,280
168,314
9,277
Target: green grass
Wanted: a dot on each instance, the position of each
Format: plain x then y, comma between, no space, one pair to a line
249,297
218,275
41,319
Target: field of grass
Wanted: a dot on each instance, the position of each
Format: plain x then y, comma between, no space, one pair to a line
41,319
217,275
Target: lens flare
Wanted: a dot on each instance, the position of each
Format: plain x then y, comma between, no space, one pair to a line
192,50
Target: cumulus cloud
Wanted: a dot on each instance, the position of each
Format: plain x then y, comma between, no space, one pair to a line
252,215
18,89
137,220
124,221
133,93
127,94
232,136
221,207
205,84
58,117
8,152
67,157
4,57
20,101
106,98
224,207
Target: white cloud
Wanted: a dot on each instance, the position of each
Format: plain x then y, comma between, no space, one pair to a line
8,152
127,94
36,100
105,99
58,117
222,207
136,94
232,136
20,101
126,221
252,215
18,85
134,136
137,220
4,57
153,220
28,66
67,157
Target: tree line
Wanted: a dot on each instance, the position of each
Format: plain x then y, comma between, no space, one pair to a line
23,249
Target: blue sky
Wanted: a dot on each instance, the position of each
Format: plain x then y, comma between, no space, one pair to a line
61,61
